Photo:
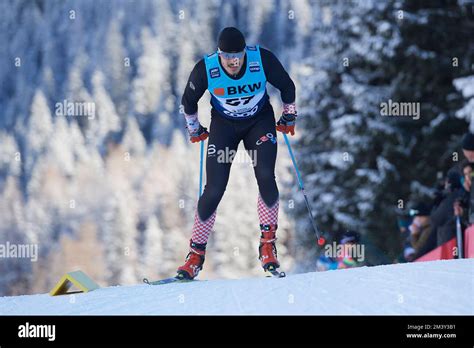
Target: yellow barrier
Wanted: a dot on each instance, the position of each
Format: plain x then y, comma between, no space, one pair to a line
78,279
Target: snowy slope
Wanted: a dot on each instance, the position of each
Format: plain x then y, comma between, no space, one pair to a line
440,287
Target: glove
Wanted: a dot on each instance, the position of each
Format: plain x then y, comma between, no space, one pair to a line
286,124
200,134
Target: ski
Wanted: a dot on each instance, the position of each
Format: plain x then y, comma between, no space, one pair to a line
167,281
275,273
271,271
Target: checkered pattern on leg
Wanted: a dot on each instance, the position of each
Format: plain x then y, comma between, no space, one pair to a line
267,215
202,229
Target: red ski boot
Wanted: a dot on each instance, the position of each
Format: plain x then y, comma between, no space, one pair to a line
194,261
267,249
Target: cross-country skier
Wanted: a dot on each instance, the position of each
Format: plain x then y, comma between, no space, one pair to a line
236,77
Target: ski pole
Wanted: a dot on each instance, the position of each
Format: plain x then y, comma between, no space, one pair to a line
200,169
459,238
321,239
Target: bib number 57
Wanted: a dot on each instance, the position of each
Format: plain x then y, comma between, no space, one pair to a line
239,101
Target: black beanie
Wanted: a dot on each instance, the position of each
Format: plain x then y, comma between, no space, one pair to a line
420,209
468,142
231,40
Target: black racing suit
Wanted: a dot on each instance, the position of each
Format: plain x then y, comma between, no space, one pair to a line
227,133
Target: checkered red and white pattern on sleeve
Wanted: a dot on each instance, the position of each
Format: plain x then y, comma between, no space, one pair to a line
289,109
202,229
267,215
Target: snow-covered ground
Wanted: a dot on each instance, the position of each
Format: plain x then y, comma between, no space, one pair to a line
440,287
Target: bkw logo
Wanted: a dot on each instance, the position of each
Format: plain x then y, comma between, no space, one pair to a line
243,89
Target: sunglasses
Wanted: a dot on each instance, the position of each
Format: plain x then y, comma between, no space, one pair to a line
227,55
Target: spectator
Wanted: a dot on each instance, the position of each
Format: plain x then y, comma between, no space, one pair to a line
461,204
468,146
467,170
348,260
468,151
420,232
326,263
453,198
443,221
404,223
343,256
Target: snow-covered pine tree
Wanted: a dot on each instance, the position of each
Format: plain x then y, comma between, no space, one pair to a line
10,158
117,67
152,256
37,133
106,121
15,273
466,86
390,53
346,149
119,238
436,48
134,155
152,84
